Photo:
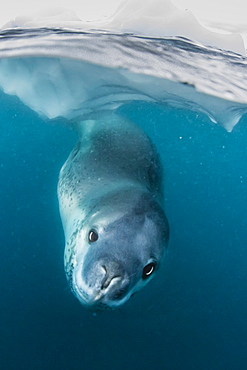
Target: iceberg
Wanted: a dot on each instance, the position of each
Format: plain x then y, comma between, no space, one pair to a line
150,51
70,88
157,18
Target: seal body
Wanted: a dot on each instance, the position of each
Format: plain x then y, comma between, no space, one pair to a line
111,205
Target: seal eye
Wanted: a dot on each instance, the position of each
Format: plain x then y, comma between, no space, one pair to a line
148,270
92,236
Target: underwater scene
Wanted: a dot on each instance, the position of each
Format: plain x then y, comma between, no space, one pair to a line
146,130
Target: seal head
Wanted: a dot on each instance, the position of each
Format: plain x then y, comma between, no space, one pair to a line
124,248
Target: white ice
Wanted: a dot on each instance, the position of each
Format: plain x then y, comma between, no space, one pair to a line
142,17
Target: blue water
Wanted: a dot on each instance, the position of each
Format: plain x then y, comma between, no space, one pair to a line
191,316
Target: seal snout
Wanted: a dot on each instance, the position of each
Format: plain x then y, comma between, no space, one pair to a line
110,276
107,281
114,282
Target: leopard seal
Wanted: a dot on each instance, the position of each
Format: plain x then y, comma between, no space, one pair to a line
111,205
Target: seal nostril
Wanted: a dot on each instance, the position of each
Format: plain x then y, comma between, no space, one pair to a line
111,276
108,277
104,281
107,281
